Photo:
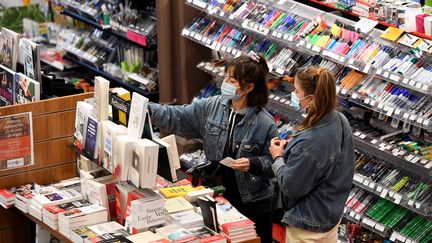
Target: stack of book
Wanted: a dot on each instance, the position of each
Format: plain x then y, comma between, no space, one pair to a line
98,232
232,224
50,213
147,236
186,219
54,197
177,233
23,196
7,198
177,204
80,217
207,235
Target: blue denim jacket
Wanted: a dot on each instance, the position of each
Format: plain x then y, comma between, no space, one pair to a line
208,119
315,174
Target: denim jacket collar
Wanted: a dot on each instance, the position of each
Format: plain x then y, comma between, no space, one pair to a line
251,114
324,121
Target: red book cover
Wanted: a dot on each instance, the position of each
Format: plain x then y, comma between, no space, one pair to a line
111,194
133,195
54,209
118,207
214,238
6,193
246,222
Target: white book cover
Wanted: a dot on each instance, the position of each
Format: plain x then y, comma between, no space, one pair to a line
173,151
26,89
75,214
105,228
30,59
144,163
110,131
55,198
101,98
147,213
83,112
186,219
97,193
137,115
193,196
123,151
177,204
145,237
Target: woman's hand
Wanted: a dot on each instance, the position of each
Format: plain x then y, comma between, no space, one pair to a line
277,147
242,164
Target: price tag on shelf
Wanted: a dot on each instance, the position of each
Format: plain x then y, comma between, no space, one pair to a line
341,59
388,147
397,111
336,56
393,236
426,122
418,205
287,102
283,100
277,98
410,202
200,3
380,105
274,34
218,47
337,89
256,26
345,210
204,39
390,111
372,185
209,41
386,108
232,17
425,87
394,77
185,32
291,38
365,182
286,36
424,161
409,157
384,193
412,82
352,214
372,103
406,115
380,227
374,141
198,37
279,71
386,74
413,117
418,85
363,136
405,81
429,165
316,49
301,43
222,14
351,61
379,189
213,45
359,178
369,222
279,35
229,49
367,100
401,238
344,91
379,71
308,45
357,134
398,198
271,96
223,48
358,216
354,95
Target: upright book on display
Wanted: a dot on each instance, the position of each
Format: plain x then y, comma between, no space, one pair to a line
7,95
26,89
9,48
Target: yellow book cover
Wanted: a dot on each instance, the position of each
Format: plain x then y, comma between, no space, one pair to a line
125,95
178,191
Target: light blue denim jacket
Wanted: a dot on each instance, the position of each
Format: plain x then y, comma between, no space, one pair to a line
315,174
208,119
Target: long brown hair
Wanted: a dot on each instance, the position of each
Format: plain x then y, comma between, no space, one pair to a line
321,84
247,71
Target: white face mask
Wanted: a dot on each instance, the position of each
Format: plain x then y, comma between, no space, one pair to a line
230,91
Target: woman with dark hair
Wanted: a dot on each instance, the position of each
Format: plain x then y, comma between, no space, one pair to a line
315,168
234,124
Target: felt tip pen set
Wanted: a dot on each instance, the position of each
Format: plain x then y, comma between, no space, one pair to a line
224,36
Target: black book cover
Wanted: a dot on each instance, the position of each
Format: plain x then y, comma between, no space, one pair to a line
208,210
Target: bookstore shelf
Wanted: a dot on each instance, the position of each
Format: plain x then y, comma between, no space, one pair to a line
152,95
75,15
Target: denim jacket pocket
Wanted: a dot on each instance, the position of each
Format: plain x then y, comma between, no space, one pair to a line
250,148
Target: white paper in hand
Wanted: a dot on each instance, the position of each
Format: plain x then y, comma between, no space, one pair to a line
228,161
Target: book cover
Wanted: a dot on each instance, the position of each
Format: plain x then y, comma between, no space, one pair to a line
122,190
110,131
26,89
124,95
83,112
145,237
177,204
147,211
90,147
123,154
29,58
9,48
97,193
176,191
137,116
207,235
101,93
6,86
208,211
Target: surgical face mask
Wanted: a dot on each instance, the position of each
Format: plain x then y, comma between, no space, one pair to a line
295,102
229,91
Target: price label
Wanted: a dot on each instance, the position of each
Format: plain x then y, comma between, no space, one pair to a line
290,38
393,236
185,32
345,210
232,17
397,111
394,77
344,91
308,45
363,136
405,81
198,37
380,105
398,198
316,49
229,49
372,185
380,227
352,214
426,122
224,48
372,103
271,96
222,14
405,116
302,42
358,178
401,238
416,159
379,71
424,161
418,85
410,202
409,157
279,35
413,117
379,189
358,216
386,74
351,61
283,100
279,71
425,87
287,102
357,134
200,3
337,89
336,56
218,47
374,141
285,37
277,98
367,100
384,193
390,111
341,59
412,82
429,165
418,205
274,34
386,108
366,182
369,222
354,95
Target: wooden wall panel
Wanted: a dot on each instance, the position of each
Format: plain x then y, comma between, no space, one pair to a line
46,106
54,126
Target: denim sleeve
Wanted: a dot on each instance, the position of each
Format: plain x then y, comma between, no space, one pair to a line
261,166
296,174
185,120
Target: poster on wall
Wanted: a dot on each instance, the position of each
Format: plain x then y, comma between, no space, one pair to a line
16,141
